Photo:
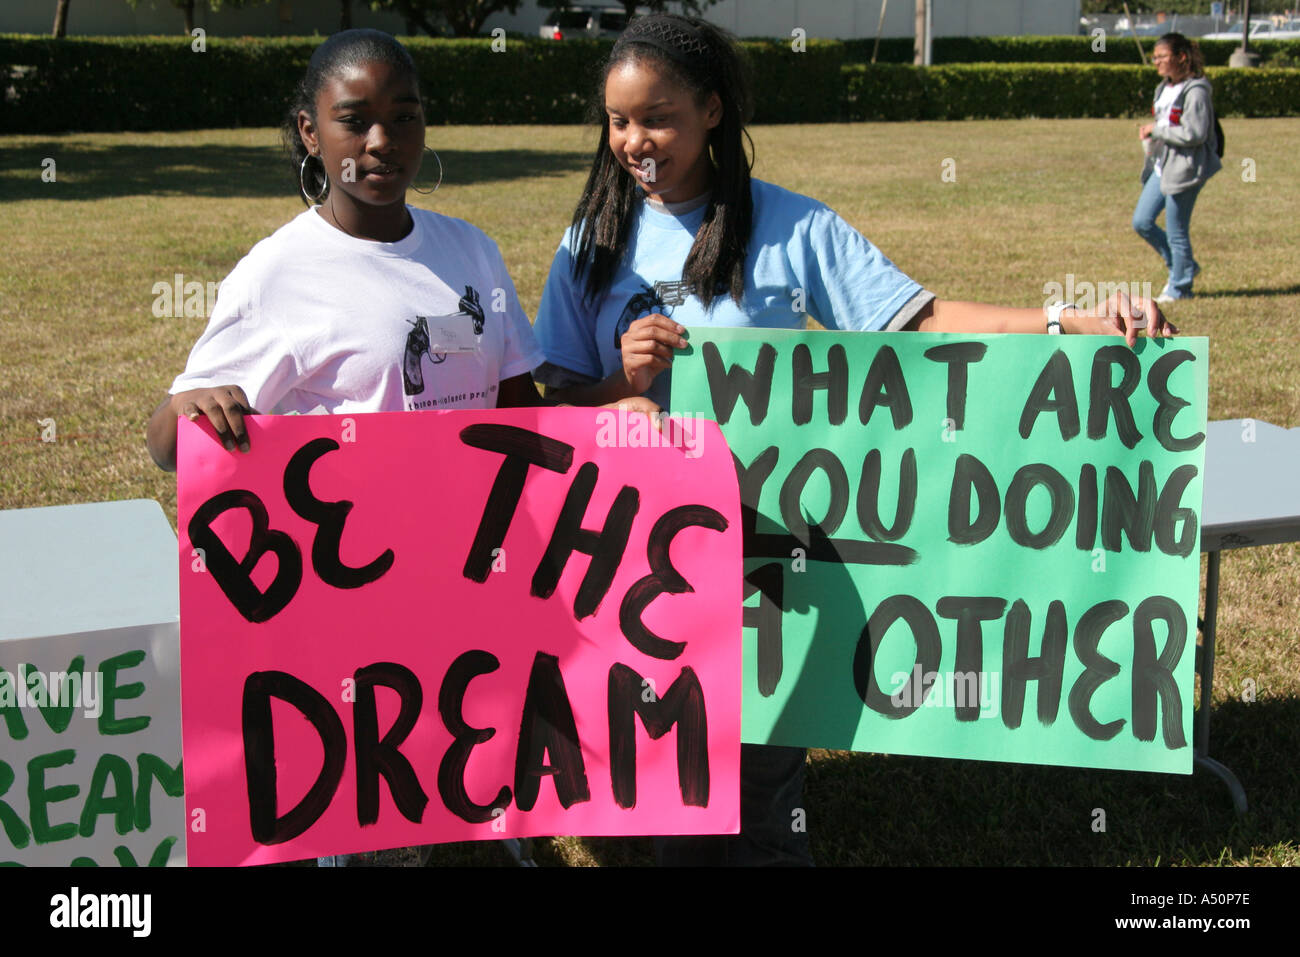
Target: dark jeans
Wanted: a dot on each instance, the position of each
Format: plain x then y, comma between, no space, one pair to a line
773,821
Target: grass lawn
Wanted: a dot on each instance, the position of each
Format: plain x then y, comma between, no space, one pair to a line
1032,202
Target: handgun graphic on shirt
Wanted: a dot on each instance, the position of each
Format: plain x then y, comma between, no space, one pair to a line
660,297
420,342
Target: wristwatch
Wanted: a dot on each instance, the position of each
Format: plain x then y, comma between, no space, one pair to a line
1054,317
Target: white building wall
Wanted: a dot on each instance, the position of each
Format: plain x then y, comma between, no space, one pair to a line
840,19
843,19
160,18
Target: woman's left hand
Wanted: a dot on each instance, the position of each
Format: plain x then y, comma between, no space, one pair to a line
1119,314
1144,132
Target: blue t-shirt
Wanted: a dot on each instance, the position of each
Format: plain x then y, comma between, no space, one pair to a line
803,259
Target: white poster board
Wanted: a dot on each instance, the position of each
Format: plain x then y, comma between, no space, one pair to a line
90,735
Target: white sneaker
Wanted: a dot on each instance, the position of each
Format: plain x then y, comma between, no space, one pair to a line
1164,299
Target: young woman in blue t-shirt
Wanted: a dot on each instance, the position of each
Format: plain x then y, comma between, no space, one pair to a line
671,221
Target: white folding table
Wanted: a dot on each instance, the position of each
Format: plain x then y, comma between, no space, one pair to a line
1251,497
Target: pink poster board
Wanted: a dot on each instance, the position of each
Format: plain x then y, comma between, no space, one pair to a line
412,628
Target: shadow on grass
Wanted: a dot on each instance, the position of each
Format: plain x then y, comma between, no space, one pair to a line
867,809
1234,293
86,171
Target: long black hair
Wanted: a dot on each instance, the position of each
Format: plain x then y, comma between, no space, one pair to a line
340,51
702,59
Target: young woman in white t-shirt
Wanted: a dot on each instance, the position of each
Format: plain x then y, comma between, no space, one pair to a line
361,303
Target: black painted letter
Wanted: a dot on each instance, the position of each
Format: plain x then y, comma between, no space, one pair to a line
234,577
451,770
869,497
548,727
259,755
1170,404
1098,669
835,380
928,651
663,579
329,518
1154,677
604,546
725,388
1058,518
1103,397
769,581
970,613
375,755
958,355
1053,391
1019,668
969,472
682,705
885,386
521,448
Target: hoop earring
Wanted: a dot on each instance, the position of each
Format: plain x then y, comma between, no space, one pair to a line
302,184
426,192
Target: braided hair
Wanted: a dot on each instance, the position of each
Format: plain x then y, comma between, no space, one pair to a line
341,51
702,59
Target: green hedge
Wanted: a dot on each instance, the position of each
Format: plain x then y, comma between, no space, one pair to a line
463,81
160,83
958,91
889,91
546,82
1256,92
146,83
1120,49
156,83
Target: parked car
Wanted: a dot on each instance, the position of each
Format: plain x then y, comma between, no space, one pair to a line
584,22
1261,30
1151,29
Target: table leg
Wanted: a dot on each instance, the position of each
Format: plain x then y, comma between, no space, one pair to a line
1201,737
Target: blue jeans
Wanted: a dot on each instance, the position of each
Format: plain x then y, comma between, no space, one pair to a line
363,859
1174,246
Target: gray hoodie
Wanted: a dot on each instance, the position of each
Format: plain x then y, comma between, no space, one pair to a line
1187,149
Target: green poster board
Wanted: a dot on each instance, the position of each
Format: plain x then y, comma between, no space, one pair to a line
967,547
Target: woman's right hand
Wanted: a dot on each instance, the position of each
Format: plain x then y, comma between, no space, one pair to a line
224,406
647,348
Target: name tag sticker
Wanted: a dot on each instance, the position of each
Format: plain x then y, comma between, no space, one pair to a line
453,335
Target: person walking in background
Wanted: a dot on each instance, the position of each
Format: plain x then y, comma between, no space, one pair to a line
1182,153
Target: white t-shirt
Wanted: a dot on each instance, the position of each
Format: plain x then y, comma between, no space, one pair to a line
313,317
1162,110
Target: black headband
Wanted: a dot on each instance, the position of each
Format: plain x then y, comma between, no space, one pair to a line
674,36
